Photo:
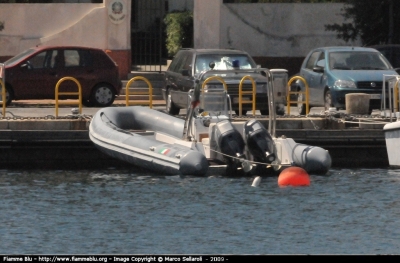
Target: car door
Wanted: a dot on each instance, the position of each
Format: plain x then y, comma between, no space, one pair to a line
315,80
172,75
179,84
79,65
186,81
37,76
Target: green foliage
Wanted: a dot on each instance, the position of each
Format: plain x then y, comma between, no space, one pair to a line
373,23
179,31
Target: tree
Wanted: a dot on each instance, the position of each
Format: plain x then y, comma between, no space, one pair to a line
179,30
372,21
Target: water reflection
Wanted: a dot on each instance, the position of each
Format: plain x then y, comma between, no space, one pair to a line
349,211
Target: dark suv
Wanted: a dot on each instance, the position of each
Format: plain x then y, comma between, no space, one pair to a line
35,72
231,65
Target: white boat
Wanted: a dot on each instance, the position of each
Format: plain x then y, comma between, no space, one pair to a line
206,142
392,138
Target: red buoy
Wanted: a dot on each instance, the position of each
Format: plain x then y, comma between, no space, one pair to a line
294,176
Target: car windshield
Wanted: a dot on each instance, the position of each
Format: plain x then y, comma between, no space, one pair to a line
19,56
357,60
223,62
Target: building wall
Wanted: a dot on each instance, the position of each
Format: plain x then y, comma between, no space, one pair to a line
83,24
174,5
276,35
207,23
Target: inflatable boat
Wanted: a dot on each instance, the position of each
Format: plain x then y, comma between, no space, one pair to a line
206,142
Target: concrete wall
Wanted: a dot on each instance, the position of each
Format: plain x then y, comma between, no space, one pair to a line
276,35
84,24
207,23
180,5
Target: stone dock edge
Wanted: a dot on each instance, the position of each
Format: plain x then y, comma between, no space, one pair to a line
62,143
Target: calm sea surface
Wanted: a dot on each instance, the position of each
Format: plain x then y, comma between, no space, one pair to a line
132,212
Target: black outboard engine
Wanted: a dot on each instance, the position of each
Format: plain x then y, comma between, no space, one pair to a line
259,142
229,142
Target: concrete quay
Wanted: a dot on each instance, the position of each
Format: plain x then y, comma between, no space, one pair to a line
32,137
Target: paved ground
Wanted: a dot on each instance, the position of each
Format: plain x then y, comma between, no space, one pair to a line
47,108
43,108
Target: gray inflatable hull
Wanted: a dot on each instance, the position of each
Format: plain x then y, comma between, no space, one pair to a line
116,131
152,140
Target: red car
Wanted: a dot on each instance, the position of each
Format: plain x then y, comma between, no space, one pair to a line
34,74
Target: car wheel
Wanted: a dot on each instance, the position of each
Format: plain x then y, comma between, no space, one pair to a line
171,108
87,103
9,95
328,100
301,106
103,95
264,112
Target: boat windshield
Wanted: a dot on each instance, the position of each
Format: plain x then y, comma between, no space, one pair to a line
214,101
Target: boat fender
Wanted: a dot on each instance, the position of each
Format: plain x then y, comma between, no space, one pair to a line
229,140
193,163
259,141
313,159
256,181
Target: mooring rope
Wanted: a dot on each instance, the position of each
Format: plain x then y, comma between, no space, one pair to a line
252,162
52,117
342,119
362,122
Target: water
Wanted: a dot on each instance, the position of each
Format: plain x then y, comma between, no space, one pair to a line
129,212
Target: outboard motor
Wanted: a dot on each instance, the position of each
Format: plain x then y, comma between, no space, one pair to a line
259,141
229,142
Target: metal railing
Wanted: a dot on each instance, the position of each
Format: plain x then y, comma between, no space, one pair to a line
396,96
306,93
208,80
224,71
196,96
393,102
252,92
3,97
3,87
271,104
147,93
214,78
79,93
